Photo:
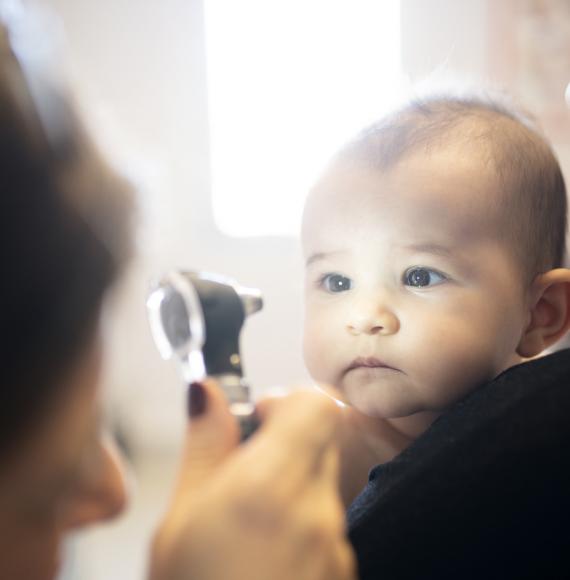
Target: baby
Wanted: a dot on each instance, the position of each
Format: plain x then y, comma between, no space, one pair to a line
434,246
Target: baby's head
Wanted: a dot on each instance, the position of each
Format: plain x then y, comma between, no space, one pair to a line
433,246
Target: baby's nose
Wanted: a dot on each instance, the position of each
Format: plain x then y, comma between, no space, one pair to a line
101,494
377,319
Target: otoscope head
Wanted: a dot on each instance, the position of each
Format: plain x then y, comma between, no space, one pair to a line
196,315
251,299
175,316
197,318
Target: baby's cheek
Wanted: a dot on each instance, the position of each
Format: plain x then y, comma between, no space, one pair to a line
311,349
317,354
457,365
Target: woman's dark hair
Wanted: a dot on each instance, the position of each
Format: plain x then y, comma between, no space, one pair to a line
64,235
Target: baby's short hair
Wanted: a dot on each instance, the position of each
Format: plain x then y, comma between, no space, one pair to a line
535,205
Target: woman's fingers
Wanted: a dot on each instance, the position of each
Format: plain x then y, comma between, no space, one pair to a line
268,509
297,432
305,415
293,440
212,433
343,565
275,396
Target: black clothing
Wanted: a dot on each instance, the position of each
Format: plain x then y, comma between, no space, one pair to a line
483,493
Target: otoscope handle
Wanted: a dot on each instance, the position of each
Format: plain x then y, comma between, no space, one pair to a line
237,392
248,424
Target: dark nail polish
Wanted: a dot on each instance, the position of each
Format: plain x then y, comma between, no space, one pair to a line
196,400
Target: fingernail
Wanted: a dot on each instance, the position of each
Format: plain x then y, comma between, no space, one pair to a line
196,400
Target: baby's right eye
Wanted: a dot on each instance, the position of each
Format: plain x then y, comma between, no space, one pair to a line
335,283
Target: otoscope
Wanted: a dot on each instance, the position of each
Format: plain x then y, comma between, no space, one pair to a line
196,318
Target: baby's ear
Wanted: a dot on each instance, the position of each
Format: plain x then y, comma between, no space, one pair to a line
549,313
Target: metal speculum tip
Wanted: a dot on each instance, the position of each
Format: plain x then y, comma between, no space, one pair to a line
251,299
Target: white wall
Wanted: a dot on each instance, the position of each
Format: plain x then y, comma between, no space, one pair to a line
442,36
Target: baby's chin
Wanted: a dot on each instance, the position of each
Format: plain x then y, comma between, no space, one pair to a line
379,405
410,421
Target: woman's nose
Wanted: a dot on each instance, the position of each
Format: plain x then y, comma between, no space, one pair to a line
101,492
373,317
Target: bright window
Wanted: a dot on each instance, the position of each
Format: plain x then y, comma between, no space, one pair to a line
288,82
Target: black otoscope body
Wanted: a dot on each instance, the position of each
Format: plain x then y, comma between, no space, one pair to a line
196,318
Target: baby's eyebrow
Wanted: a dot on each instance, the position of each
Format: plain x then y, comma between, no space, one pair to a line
429,248
317,256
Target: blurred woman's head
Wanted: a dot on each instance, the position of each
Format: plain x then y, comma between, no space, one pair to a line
64,236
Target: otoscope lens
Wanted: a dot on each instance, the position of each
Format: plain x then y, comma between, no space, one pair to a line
175,320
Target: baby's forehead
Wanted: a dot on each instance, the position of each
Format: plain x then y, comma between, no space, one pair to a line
462,163
443,183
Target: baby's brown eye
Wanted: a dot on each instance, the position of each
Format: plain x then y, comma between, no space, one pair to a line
422,277
336,283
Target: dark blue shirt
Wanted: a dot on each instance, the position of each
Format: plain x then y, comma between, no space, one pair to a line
483,493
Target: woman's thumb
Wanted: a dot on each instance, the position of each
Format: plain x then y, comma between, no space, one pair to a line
212,433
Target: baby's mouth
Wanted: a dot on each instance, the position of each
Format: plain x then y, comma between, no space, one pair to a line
369,362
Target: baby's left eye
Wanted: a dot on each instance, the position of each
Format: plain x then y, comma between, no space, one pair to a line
335,283
421,277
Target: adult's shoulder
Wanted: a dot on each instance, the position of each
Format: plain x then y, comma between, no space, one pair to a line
484,492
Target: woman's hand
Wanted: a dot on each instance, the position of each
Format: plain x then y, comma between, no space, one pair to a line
268,508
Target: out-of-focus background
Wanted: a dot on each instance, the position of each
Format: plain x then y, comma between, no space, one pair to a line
223,113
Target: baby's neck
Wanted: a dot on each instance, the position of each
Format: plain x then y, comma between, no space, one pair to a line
413,426
368,441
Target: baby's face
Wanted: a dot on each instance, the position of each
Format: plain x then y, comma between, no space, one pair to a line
412,297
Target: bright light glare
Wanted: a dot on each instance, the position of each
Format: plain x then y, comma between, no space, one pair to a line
288,83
